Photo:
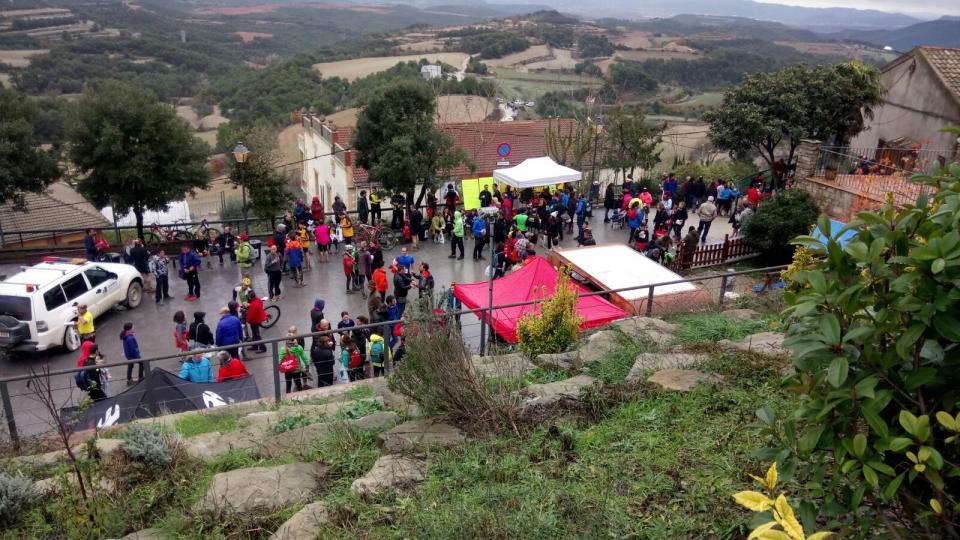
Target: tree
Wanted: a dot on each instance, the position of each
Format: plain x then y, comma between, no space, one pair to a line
569,146
397,142
267,186
24,167
779,220
133,152
770,111
630,142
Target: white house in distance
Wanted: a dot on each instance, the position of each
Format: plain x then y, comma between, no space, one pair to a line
431,71
329,171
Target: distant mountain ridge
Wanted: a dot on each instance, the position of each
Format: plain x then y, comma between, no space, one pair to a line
944,32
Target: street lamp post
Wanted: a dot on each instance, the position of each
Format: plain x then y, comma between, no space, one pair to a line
597,130
240,155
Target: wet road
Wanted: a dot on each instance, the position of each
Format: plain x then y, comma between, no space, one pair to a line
153,324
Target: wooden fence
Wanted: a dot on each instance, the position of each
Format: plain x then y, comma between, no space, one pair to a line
713,254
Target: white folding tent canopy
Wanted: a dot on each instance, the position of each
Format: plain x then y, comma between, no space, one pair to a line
536,172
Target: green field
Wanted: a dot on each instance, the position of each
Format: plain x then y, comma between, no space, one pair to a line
532,86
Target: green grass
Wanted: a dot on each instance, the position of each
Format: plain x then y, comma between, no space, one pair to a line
196,424
359,392
713,327
543,376
659,466
615,366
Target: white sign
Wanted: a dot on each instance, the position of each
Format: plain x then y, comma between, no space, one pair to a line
503,163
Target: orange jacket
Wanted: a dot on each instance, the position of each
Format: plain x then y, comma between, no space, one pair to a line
379,278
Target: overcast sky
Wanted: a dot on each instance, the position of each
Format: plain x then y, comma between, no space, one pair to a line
926,7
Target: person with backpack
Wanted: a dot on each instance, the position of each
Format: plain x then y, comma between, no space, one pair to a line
294,258
425,281
360,338
379,354
91,379
351,359
256,316
131,351
196,367
244,253
293,363
581,213
321,354
199,332
479,230
634,220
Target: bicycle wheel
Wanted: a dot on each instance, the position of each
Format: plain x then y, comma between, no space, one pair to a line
388,239
152,240
273,315
182,236
212,234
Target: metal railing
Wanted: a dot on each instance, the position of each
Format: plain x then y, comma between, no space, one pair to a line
721,284
838,160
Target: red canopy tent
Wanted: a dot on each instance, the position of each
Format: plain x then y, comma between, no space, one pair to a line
519,286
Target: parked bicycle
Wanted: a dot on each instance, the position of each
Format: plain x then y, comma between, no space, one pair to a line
178,232
377,233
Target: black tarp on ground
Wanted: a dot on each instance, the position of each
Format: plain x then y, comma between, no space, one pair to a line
162,392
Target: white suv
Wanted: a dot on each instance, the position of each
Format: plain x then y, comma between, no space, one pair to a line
39,304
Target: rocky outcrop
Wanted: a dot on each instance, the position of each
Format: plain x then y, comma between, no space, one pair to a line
566,361
768,343
261,488
682,380
549,393
653,361
648,329
390,472
598,346
305,524
418,436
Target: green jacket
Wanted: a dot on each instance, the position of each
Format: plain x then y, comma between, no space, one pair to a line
244,255
385,357
296,350
458,224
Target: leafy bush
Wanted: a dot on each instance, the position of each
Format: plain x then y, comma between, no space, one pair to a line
359,409
554,325
779,509
17,495
874,333
296,421
147,446
778,221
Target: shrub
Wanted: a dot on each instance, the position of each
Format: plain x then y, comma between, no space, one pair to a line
296,421
17,495
777,221
555,324
874,332
359,409
147,446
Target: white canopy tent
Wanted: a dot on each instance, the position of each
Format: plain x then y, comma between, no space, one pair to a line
536,172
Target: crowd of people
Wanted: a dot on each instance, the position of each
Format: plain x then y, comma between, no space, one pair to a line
516,223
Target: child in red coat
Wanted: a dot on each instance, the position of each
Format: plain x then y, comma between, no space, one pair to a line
348,264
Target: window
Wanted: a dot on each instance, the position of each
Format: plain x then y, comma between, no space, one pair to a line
54,298
96,275
74,287
17,307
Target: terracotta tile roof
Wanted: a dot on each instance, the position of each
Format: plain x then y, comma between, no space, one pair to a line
59,208
946,62
481,141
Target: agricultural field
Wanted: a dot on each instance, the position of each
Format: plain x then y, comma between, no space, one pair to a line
5,80
531,86
248,37
20,58
704,99
563,59
456,109
634,40
682,139
659,54
361,67
425,46
844,50
344,118
519,58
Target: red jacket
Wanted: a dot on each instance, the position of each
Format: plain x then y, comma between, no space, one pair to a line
379,278
234,369
348,263
255,313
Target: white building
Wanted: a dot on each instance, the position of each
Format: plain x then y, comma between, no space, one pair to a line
431,71
328,170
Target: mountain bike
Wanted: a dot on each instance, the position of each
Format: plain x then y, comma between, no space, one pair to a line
384,236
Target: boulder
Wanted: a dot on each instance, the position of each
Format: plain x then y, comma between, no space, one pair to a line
543,394
656,331
261,488
420,435
565,361
598,346
390,472
740,314
768,343
507,365
650,361
305,524
682,380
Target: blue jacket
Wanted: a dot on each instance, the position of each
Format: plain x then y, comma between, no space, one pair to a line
393,313
295,258
130,348
187,260
565,199
637,221
479,227
581,207
90,246
229,331
197,371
